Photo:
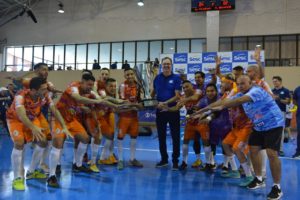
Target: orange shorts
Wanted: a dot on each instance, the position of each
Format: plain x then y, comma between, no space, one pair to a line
238,138
74,127
191,130
107,123
20,133
129,126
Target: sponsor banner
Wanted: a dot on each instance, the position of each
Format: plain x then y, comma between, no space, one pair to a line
147,115
226,68
226,57
192,68
209,57
240,56
206,67
195,58
180,58
191,77
179,69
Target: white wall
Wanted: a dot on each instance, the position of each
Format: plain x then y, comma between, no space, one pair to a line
122,20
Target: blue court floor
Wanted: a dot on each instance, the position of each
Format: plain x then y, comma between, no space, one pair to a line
145,183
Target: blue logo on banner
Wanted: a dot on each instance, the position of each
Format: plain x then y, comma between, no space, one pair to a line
147,115
208,78
180,58
240,56
195,59
226,68
192,68
209,57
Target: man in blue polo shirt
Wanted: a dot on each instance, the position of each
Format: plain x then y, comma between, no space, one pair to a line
296,98
167,87
282,98
268,123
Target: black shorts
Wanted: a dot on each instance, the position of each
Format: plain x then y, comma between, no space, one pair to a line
269,139
287,122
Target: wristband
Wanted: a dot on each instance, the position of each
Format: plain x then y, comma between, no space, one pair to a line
209,118
207,112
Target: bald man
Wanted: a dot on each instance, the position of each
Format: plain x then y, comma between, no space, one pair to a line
268,124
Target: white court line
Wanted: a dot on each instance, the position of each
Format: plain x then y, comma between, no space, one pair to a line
190,152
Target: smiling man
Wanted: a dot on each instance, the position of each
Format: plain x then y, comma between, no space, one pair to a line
167,88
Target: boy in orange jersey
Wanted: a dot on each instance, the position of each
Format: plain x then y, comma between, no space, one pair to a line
26,124
128,119
68,105
40,70
192,127
107,122
101,83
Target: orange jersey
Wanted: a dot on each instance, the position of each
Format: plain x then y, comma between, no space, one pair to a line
130,93
33,108
101,88
189,106
237,114
68,106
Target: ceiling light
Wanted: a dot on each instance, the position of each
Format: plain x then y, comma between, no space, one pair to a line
61,8
140,3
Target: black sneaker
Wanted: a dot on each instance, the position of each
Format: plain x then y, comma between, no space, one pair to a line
183,166
281,153
255,184
162,164
52,182
58,170
205,167
75,168
297,155
81,169
275,193
175,167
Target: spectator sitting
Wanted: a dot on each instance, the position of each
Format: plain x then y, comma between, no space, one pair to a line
125,65
96,65
114,65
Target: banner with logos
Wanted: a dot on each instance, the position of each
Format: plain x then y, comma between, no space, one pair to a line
189,63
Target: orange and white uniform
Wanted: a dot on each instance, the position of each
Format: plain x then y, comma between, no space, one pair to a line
242,126
193,127
128,121
69,109
101,88
17,129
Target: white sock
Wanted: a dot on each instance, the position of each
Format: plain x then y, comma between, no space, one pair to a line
226,161
132,148
105,149
207,151
54,159
111,147
232,163
36,157
120,149
45,156
185,151
16,162
264,158
22,162
212,158
60,155
74,155
95,148
81,149
198,156
247,169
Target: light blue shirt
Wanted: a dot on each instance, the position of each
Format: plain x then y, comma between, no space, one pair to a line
262,110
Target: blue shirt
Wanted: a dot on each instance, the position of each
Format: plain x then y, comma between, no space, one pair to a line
165,86
297,99
283,93
262,110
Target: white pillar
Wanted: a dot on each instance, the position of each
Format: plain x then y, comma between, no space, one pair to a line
212,30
